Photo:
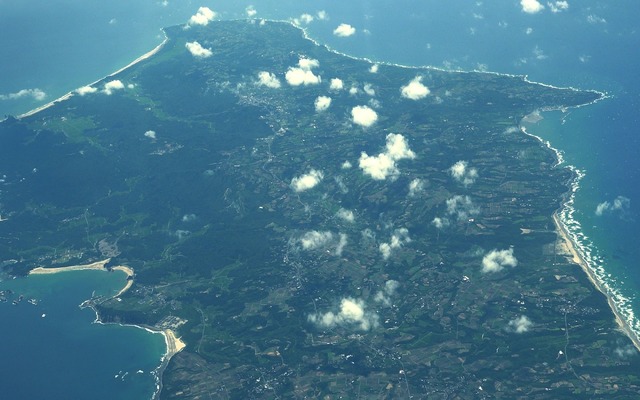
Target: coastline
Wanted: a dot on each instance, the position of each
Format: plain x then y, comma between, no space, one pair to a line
573,247
73,92
578,259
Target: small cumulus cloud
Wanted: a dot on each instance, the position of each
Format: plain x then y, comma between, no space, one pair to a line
342,242
251,11
345,215
203,16
302,74
521,324
344,30
461,172
86,90
440,222
353,90
497,260
197,50
558,6
384,296
322,15
363,116
462,207
306,181
150,134
594,19
398,239
531,6
625,352
384,164
303,19
322,103
352,314
313,240
416,186
336,84
620,204
36,94
268,79
374,68
189,218
111,86
368,89
346,165
415,90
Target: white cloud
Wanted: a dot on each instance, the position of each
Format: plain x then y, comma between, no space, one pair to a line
620,204
529,31
497,260
203,16
461,173
462,207
110,86
363,116
558,6
440,222
344,30
384,164
374,68
341,244
346,165
415,186
322,103
36,94
626,351
188,217
336,84
306,18
298,76
594,19
415,90
197,50
531,6
353,90
251,11
308,64
521,324
268,79
384,296
368,89
345,215
315,239
86,90
398,148
306,181
352,314
150,134
322,15
302,75
399,237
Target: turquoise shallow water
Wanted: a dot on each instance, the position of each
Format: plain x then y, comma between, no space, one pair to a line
65,355
592,45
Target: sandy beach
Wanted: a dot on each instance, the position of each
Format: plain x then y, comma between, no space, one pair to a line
174,343
68,95
578,259
98,265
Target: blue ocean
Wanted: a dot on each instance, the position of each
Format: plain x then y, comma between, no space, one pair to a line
52,47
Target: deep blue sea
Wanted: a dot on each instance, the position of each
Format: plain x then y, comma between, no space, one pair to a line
58,45
51,349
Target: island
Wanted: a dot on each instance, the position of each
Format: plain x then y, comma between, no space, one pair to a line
312,225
